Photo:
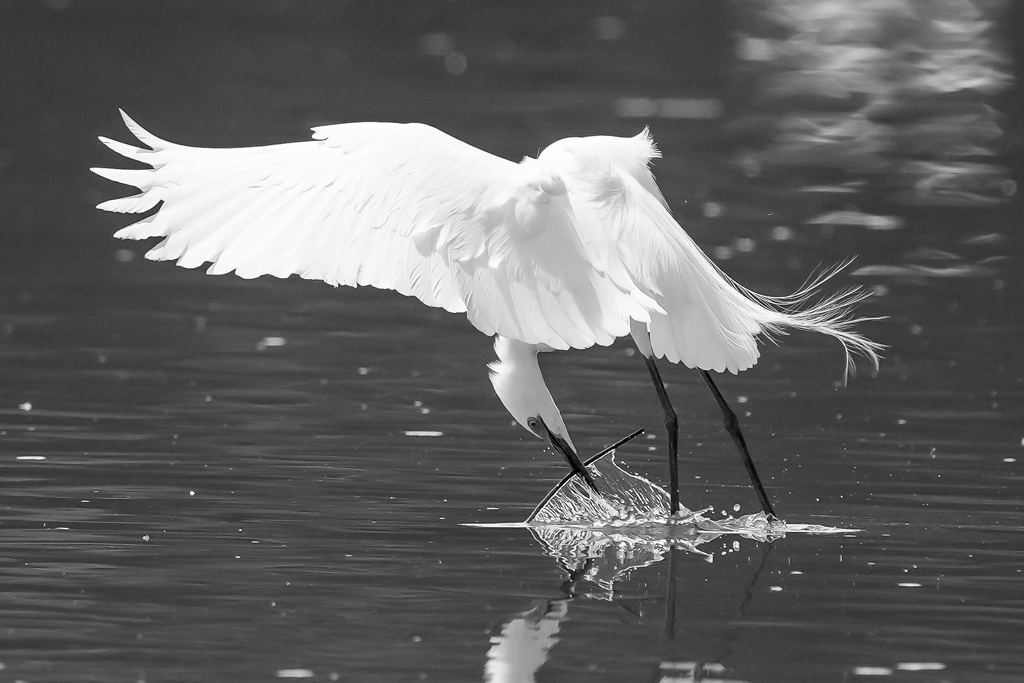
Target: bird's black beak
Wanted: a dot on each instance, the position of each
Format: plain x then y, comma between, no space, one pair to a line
563,447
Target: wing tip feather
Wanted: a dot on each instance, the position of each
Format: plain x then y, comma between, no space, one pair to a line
141,134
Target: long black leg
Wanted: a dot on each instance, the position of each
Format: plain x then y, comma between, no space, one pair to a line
732,425
672,427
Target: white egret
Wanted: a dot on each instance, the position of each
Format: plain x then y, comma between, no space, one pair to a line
574,248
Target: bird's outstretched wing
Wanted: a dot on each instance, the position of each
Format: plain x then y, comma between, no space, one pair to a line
396,206
563,250
703,318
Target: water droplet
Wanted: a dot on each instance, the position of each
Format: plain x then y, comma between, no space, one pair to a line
455,63
608,27
268,342
713,209
872,671
437,44
635,107
744,245
295,673
722,253
920,666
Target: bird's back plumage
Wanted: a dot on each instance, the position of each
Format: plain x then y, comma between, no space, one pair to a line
704,319
560,251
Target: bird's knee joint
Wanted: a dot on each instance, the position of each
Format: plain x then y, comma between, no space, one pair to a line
672,423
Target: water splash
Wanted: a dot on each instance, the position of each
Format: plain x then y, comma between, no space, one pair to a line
625,499
629,501
630,525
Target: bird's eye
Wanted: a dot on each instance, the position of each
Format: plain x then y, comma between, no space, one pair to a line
533,423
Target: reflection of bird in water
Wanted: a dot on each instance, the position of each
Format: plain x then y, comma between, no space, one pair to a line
574,248
526,640
524,644
670,669
522,647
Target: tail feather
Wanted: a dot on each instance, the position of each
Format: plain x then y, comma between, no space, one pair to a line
832,315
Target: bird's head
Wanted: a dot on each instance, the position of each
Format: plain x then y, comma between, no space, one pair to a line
520,386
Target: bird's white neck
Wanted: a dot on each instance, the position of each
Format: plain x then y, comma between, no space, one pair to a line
519,384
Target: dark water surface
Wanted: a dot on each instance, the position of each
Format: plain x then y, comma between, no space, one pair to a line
210,479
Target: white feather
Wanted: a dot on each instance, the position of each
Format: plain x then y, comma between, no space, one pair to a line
562,251
702,318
